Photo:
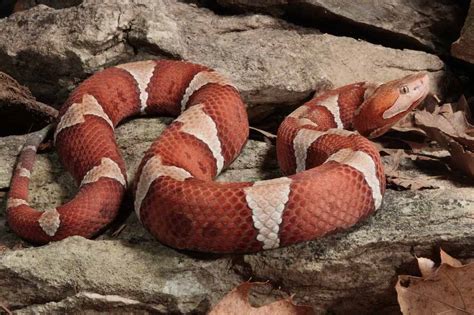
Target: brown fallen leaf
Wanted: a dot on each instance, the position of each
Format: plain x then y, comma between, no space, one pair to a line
449,126
426,266
451,119
448,289
236,302
447,259
461,157
399,180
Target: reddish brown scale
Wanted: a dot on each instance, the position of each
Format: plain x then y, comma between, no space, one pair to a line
231,121
321,116
284,147
90,210
115,90
350,97
168,85
95,139
193,155
28,161
200,215
194,212
82,147
313,204
326,145
21,186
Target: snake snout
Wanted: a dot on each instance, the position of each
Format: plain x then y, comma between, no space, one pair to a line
390,102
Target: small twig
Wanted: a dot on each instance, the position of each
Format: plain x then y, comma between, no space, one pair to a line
264,133
3,307
119,230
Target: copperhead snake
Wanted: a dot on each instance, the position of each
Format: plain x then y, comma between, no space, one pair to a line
334,176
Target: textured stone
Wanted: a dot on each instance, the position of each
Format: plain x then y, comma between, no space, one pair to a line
360,267
463,48
429,25
130,272
142,277
271,62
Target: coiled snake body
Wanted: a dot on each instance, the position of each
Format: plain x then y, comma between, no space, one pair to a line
334,176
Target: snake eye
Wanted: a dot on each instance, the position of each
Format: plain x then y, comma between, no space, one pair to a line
404,89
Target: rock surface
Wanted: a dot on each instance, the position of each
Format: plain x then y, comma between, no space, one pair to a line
463,48
126,270
430,25
272,62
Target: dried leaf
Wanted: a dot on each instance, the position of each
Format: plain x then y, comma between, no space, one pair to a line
449,120
400,179
236,302
397,179
447,290
461,158
394,162
447,259
408,123
426,266
449,126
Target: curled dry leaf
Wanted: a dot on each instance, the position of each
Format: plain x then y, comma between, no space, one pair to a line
449,126
396,177
405,182
236,302
448,289
400,179
426,266
447,259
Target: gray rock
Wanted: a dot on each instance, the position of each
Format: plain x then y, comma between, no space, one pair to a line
359,268
428,25
73,275
463,48
27,4
271,62
125,270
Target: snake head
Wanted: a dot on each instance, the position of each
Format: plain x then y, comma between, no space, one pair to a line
386,104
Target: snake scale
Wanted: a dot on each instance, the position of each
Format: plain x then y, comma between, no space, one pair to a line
333,173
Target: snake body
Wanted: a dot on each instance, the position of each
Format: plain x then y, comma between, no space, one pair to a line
333,174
